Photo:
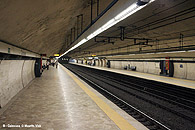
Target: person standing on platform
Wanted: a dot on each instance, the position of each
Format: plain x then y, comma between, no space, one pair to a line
56,64
47,64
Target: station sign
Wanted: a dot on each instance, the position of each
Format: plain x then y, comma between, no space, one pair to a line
56,55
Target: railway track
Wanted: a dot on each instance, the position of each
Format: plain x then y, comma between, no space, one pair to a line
156,105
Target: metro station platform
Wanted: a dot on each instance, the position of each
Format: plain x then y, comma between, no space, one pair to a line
59,100
164,79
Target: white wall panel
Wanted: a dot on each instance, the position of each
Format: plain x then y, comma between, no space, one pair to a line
191,71
14,75
180,72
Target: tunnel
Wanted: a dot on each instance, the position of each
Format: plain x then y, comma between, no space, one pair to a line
97,64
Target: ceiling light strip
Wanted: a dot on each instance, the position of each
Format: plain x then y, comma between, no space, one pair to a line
121,16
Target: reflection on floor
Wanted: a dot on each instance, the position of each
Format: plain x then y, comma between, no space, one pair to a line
55,102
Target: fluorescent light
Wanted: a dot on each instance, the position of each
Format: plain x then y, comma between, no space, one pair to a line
90,36
164,52
130,10
173,52
94,34
151,1
126,11
101,29
149,53
97,32
109,24
121,16
191,51
82,41
77,45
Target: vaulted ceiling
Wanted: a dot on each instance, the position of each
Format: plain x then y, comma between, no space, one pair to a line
42,25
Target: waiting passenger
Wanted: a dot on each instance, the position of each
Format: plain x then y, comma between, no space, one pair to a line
56,64
44,66
47,64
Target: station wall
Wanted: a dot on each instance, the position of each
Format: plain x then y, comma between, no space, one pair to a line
14,76
145,67
184,70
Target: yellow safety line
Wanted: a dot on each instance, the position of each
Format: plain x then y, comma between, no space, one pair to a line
102,68
165,77
164,81
113,115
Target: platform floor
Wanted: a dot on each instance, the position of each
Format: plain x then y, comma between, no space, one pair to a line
60,101
169,80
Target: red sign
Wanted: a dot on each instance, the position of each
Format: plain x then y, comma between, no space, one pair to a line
167,63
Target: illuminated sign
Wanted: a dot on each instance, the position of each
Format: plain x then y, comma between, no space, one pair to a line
56,54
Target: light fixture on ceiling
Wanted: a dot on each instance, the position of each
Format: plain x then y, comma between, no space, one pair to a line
127,12
119,17
191,51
